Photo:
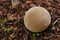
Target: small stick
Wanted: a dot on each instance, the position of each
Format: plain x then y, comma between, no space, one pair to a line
56,21
49,37
14,3
53,11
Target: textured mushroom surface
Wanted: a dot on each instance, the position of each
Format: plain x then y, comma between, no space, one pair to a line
37,19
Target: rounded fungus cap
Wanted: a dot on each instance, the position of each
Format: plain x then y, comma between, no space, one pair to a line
37,19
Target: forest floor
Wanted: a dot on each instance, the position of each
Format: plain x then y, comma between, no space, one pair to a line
14,29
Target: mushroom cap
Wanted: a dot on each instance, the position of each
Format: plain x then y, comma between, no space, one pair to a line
37,19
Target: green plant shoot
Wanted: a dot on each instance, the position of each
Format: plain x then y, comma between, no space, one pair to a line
3,23
36,35
8,30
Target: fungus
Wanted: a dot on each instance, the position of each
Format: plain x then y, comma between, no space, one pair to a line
37,19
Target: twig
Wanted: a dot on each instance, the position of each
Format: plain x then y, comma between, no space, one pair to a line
49,37
53,11
14,3
56,21
27,32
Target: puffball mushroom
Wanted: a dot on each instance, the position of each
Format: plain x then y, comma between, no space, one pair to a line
37,19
